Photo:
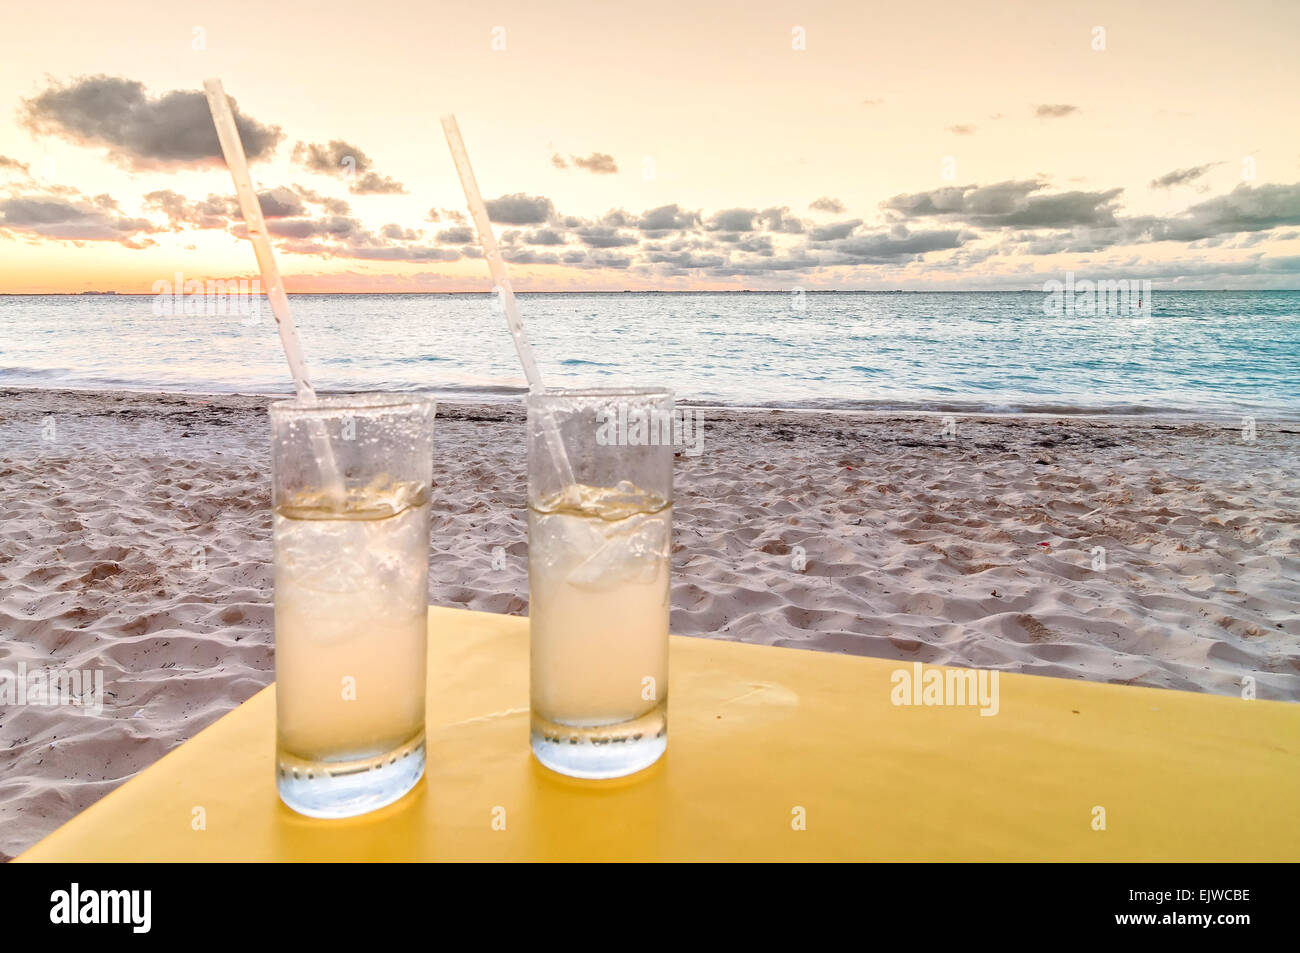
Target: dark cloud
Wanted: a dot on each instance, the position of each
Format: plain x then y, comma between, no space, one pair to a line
1246,208
896,244
1010,204
526,256
1054,110
396,233
606,259
337,157
543,236
456,236
142,131
780,220
280,203
344,160
80,219
520,209
1182,176
732,220
604,236
827,204
599,163
826,233
667,218
756,245
333,225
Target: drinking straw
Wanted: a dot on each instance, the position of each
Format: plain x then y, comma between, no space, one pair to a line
501,278
233,149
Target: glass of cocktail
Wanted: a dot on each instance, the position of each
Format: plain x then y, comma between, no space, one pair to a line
599,553
351,545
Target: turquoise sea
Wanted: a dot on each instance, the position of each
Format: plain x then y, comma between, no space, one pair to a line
1197,351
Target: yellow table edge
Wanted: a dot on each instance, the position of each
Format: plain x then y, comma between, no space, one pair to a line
773,754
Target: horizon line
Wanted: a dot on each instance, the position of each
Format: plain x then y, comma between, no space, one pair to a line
783,291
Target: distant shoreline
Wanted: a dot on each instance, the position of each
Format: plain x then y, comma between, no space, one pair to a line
973,410
627,291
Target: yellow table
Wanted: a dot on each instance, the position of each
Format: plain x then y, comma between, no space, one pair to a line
755,735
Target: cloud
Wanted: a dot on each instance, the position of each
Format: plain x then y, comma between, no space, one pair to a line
962,130
520,209
401,253
142,131
1246,208
333,225
1182,176
598,163
607,259
526,256
450,214
827,204
543,236
395,232
456,236
65,219
557,160
7,164
667,218
826,233
1054,110
732,220
605,236
221,211
780,220
329,203
372,183
343,160
897,243
280,203
685,259
872,102
1010,204
213,212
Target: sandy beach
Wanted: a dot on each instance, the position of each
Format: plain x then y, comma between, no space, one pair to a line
1147,551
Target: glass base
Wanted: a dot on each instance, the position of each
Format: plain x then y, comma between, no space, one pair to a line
334,789
604,751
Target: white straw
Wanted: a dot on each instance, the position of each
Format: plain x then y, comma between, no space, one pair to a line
233,149
501,278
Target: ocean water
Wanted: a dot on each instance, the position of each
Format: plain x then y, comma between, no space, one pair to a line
1198,351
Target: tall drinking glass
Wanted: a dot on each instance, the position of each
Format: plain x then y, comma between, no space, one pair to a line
351,599
599,553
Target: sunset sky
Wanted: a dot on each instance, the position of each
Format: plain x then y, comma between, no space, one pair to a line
668,145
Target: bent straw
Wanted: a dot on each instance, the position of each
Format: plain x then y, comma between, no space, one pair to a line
496,264
233,149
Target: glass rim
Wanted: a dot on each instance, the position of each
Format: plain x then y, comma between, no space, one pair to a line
579,393
329,404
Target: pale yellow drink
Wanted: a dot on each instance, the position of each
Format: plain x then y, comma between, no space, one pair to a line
599,598
350,631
